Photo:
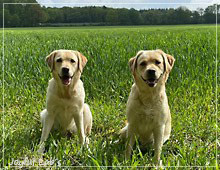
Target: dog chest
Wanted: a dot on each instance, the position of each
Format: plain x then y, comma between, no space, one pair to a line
67,107
64,114
145,116
64,109
146,111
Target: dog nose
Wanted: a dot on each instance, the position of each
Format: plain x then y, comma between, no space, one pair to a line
151,72
65,70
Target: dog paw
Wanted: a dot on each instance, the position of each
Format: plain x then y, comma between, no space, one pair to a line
87,141
41,148
158,163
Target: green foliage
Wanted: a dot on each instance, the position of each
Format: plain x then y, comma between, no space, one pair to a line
29,15
191,91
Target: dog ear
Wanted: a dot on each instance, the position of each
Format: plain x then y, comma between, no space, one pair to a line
50,60
170,60
133,61
82,60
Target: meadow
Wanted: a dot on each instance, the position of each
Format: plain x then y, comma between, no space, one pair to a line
191,90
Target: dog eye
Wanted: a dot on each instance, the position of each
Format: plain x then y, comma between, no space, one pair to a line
59,60
143,63
157,62
72,61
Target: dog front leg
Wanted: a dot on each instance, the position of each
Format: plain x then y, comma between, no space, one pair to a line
47,121
130,143
80,127
158,142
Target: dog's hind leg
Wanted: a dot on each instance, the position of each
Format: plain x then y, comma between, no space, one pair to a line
87,119
167,129
123,132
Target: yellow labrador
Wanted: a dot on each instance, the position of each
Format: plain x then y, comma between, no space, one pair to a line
147,110
65,107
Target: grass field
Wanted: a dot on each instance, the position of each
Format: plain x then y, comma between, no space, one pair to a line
191,91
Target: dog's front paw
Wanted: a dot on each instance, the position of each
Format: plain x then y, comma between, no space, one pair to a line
87,141
82,140
41,148
157,162
127,154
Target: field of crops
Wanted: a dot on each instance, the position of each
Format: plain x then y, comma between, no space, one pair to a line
191,91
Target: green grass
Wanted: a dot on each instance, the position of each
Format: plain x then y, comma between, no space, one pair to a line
191,91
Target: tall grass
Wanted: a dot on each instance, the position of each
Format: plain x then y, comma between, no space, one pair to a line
191,91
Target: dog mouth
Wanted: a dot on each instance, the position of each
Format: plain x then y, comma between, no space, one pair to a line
66,80
151,81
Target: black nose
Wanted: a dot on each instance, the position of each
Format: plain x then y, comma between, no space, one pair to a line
65,70
151,72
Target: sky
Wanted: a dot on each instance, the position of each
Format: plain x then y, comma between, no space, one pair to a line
137,4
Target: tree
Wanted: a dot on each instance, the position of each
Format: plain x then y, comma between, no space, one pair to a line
123,16
14,20
195,18
171,18
112,17
135,17
182,15
34,15
30,15
210,14
200,11
7,18
152,17
55,15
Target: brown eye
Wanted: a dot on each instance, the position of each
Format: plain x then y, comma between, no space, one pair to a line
72,61
157,62
143,63
59,60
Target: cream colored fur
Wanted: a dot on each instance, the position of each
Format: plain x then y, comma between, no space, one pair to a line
148,113
65,107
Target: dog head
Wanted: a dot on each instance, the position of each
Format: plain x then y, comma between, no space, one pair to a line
151,66
65,65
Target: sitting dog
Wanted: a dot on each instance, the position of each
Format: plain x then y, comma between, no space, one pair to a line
148,113
65,107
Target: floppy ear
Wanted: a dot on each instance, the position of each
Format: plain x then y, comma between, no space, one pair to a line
82,60
50,60
133,61
170,60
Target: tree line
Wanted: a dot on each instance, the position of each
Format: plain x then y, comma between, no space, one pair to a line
29,15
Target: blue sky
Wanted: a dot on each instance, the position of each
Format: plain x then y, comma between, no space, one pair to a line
137,4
